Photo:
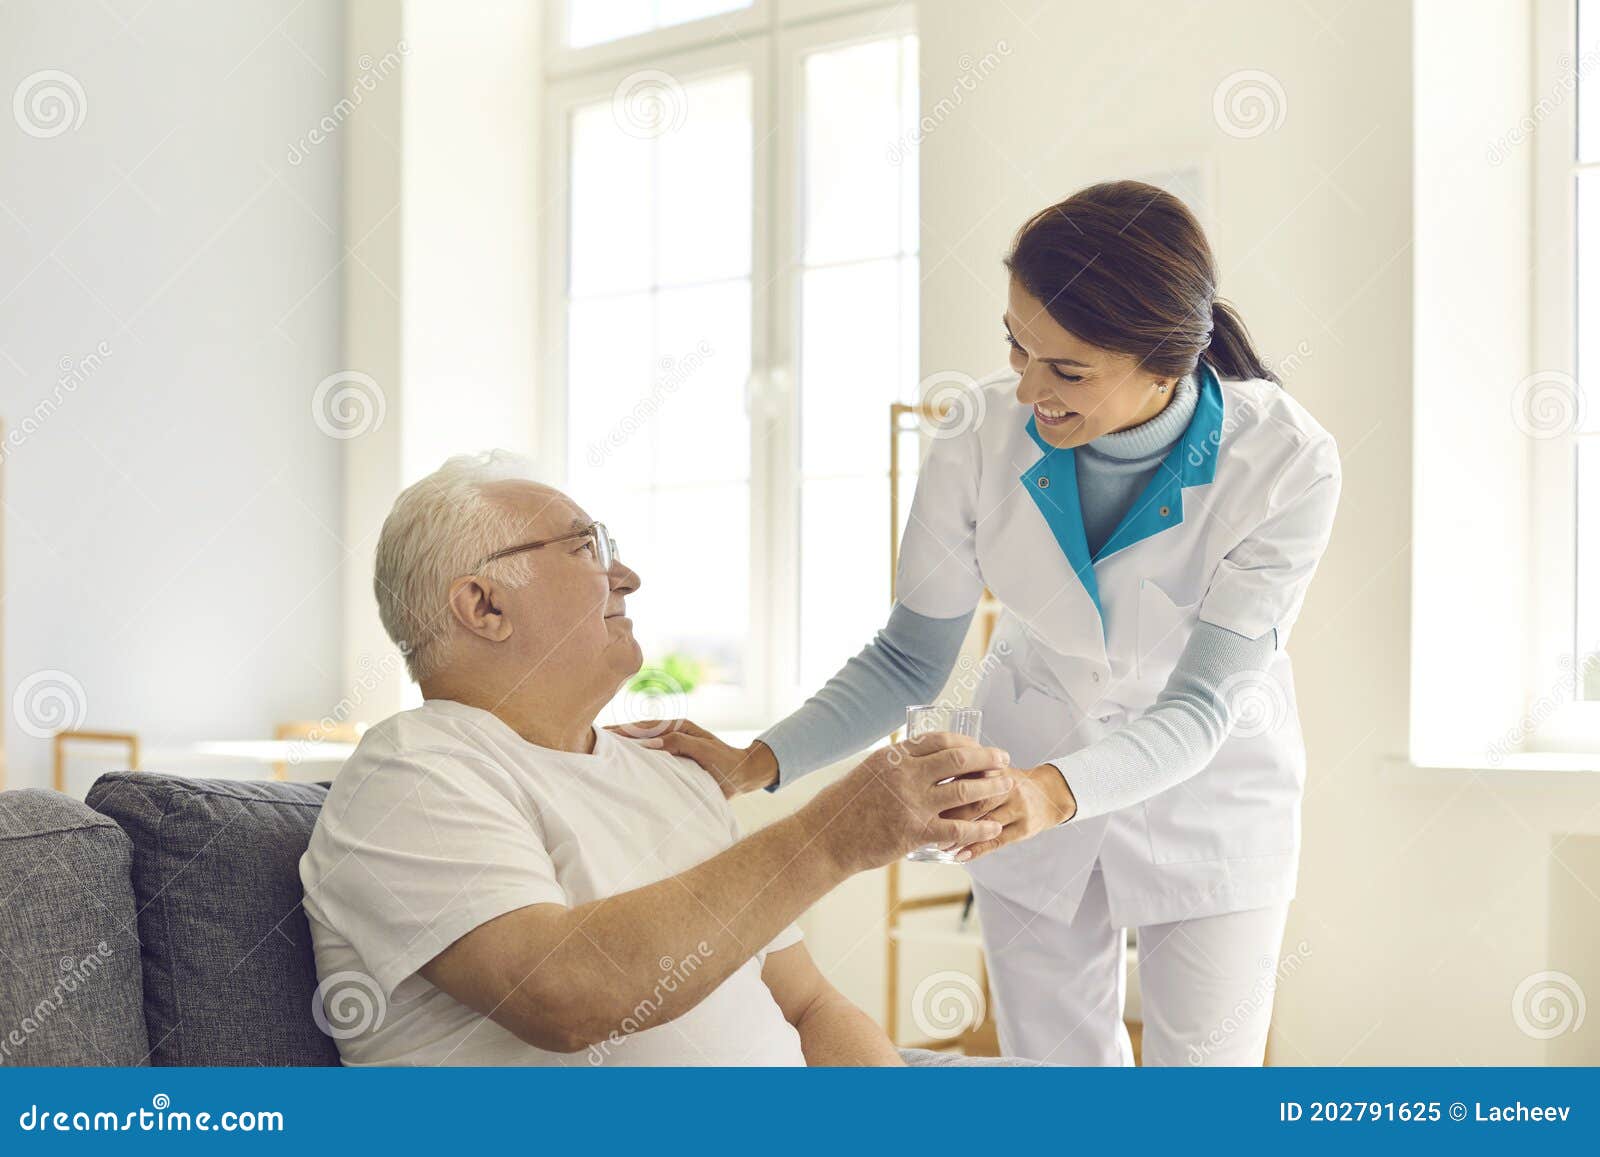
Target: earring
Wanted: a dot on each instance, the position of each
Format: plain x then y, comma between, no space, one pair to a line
1161,389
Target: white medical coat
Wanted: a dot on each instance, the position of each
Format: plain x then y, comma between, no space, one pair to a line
1229,532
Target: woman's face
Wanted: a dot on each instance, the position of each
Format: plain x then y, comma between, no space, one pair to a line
1077,391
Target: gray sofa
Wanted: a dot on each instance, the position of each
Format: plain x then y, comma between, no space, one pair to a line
159,923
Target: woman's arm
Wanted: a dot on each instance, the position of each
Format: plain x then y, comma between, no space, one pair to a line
1251,605
906,664
939,583
1219,675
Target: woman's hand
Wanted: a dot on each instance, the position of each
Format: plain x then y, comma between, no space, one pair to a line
1039,800
736,769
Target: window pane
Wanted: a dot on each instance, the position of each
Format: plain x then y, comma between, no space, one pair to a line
705,182
850,365
1588,571
658,329
612,241
844,573
670,12
691,547
858,335
597,21
1588,305
1588,84
906,148
1580,411
702,363
859,153
609,382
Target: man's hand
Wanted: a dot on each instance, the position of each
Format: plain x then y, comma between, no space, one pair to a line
1040,801
892,801
736,769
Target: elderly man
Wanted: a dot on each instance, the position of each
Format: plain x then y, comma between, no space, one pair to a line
524,888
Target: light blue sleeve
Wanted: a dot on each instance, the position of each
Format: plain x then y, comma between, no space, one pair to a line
1221,680
906,664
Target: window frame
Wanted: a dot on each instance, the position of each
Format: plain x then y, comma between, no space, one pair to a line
771,40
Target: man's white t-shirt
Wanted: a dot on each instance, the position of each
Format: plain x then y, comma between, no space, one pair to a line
445,818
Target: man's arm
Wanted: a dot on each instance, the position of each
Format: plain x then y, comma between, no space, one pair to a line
565,978
832,1030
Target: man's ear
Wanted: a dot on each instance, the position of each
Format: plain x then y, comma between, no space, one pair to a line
473,604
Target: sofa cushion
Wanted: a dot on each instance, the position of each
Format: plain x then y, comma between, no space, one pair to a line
69,957
228,970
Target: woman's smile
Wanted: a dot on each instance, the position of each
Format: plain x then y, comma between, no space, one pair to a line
1053,415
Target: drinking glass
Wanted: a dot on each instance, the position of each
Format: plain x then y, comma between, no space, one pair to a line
925,719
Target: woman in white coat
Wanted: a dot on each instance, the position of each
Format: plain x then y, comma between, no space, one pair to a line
1148,505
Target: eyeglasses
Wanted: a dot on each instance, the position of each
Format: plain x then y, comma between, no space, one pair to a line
604,546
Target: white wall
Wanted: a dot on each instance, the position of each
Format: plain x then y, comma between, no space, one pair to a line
1425,897
172,526
472,211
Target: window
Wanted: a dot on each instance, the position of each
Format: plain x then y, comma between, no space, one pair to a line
1577,408
658,353
858,276
733,307
1558,406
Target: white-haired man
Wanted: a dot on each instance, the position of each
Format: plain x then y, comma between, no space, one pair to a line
525,888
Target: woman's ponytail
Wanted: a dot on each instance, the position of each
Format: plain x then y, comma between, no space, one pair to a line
1231,352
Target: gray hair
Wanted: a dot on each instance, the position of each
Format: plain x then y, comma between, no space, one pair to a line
440,529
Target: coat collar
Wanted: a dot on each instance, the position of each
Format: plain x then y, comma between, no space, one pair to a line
1052,482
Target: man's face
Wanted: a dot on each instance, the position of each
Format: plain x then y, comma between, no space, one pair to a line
568,622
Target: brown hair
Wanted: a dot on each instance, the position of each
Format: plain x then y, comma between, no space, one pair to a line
1126,267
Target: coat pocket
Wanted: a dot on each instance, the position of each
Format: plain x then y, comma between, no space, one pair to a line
1244,806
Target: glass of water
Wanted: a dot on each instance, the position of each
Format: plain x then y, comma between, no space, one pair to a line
925,719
